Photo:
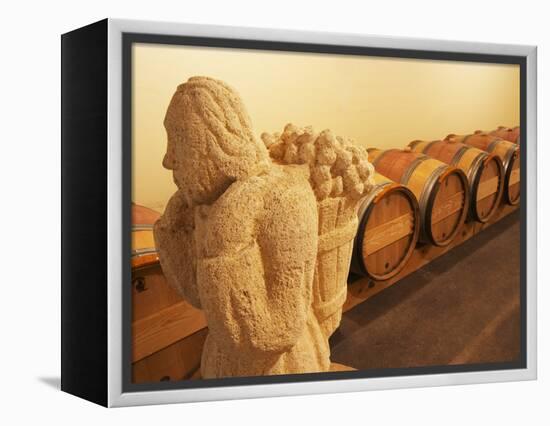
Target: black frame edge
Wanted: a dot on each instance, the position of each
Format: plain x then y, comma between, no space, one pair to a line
84,212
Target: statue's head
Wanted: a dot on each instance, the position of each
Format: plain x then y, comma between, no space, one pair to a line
210,140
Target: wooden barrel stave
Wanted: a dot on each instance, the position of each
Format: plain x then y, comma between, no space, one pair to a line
144,253
424,176
508,153
143,216
446,153
488,187
179,361
484,172
150,293
389,226
507,133
394,162
449,199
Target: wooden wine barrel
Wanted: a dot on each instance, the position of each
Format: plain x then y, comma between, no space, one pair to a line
507,133
484,171
167,333
389,227
144,252
507,151
441,190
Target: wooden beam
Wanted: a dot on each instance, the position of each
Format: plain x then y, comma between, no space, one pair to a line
161,329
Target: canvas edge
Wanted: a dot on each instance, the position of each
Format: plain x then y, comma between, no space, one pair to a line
532,213
116,396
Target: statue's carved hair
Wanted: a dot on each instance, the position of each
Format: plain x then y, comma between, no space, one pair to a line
214,116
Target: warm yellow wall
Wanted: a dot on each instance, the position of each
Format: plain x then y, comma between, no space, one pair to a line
375,101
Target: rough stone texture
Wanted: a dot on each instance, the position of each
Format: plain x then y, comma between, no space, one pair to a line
240,238
340,175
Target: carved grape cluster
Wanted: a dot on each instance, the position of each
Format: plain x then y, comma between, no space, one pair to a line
337,167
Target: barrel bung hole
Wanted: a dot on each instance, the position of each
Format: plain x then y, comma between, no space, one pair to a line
387,265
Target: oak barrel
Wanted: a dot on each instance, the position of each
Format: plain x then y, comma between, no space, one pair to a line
507,133
441,190
167,332
507,151
484,171
144,252
389,227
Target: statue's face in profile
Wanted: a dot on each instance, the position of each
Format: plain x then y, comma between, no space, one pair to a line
174,158
210,144
181,159
195,175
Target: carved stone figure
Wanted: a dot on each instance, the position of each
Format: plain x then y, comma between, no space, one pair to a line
243,237
340,175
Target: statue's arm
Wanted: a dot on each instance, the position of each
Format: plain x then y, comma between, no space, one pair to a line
174,240
256,288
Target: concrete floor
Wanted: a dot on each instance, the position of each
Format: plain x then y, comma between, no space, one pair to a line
461,308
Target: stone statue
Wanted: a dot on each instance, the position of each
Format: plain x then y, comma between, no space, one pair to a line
340,175
244,236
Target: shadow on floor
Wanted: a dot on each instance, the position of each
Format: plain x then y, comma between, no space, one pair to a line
53,382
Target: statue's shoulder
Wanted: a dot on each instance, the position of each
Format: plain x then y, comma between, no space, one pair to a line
279,184
291,192
249,205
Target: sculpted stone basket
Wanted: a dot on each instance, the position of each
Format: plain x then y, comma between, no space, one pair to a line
339,175
337,228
